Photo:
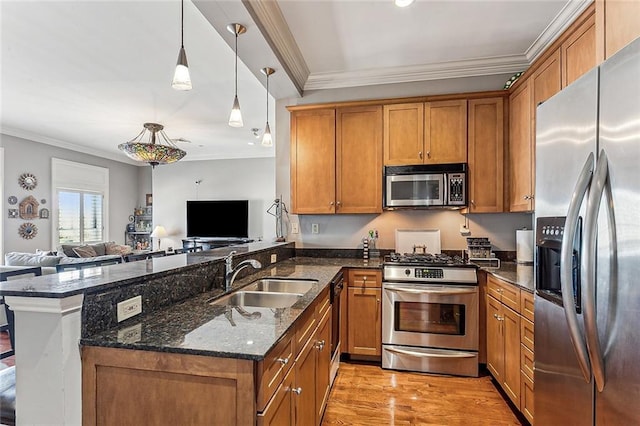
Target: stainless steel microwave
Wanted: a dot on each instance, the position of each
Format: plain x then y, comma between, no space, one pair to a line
425,185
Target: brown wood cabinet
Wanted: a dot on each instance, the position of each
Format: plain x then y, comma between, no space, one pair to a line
486,155
510,350
364,305
578,51
617,24
336,160
521,149
359,160
313,161
431,133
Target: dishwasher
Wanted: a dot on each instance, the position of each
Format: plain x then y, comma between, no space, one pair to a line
336,289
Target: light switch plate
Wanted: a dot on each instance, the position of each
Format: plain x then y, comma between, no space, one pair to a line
295,228
314,228
129,308
274,258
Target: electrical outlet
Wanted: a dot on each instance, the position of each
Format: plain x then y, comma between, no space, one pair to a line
129,308
295,228
274,258
131,334
314,228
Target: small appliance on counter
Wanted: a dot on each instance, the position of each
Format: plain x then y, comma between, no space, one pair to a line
479,252
524,246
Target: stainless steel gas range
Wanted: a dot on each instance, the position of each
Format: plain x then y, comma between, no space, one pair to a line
430,314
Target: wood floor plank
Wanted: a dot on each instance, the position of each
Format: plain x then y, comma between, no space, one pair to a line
368,395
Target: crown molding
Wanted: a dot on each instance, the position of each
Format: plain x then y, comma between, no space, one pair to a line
35,137
569,13
270,20
436,71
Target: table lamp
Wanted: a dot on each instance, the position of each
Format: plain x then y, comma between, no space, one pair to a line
159,232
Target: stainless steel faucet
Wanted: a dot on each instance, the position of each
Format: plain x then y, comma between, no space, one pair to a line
231,273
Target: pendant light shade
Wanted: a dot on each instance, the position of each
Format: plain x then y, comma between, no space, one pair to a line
235,118
181,78
266,138
153,146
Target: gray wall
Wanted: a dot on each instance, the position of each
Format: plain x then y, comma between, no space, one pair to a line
22,156
346,231
246,179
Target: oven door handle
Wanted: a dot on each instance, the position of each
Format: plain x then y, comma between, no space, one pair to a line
449,354
443,291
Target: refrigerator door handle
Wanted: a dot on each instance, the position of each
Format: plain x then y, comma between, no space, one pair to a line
566,267
599,186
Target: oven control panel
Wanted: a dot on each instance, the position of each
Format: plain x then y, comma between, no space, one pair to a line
428,273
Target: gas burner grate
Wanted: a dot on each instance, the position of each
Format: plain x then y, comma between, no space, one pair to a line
424,259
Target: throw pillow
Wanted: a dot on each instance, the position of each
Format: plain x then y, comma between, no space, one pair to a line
30,259
99,248
45,252
113,248
85,251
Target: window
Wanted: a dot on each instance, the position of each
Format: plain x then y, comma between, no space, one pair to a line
80,202
80,217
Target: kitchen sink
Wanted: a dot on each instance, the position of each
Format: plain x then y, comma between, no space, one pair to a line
261,299
282,285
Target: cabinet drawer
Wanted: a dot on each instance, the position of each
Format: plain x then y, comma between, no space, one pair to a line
281,408
526,333
526,361
504,292
526,305
306,325
272,370
322,304
526,397
365,278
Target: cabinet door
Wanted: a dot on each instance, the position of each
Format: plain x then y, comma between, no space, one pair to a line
495,339
313,162
281,408
579,51
511,333
359,160
365,278
305,385
403,133
365,325
486,155
445,132
618,24
323,368
547,79
520,149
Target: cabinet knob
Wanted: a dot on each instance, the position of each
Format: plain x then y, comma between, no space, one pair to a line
320,345
473,203
283,361
331,203
338,204
297,391
420,154
428,154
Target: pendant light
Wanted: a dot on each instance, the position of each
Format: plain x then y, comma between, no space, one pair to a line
266,138
152,146
235,118
181,78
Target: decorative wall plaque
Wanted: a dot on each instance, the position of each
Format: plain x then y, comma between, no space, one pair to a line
12,200
28,230
29,208
44,213
28,181
13,213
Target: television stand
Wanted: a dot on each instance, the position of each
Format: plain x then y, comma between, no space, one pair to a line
209,243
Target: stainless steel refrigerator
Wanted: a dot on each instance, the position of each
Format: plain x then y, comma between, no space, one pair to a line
587,220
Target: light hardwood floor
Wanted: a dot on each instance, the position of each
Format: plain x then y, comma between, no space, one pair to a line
368,395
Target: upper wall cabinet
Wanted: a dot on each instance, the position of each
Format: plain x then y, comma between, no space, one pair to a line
521,149
486,155
429,133
336,160
578,52
617,24
313,161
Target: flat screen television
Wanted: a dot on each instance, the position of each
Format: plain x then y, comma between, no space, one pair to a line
218,218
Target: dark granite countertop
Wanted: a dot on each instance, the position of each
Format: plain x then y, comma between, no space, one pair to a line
196,327
514,273
65,284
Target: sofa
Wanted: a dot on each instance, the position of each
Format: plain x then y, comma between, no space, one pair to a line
66,254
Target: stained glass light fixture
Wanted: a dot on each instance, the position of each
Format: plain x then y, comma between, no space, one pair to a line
153,146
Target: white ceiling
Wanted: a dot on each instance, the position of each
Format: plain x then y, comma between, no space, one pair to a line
87,74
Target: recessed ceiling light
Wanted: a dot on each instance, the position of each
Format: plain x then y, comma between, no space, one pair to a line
403,3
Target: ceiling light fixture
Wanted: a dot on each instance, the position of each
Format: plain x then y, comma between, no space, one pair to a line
266,138
153,151
403,3
235,118
181,78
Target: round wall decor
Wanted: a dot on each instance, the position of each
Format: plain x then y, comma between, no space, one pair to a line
13,200
28,230
28,181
